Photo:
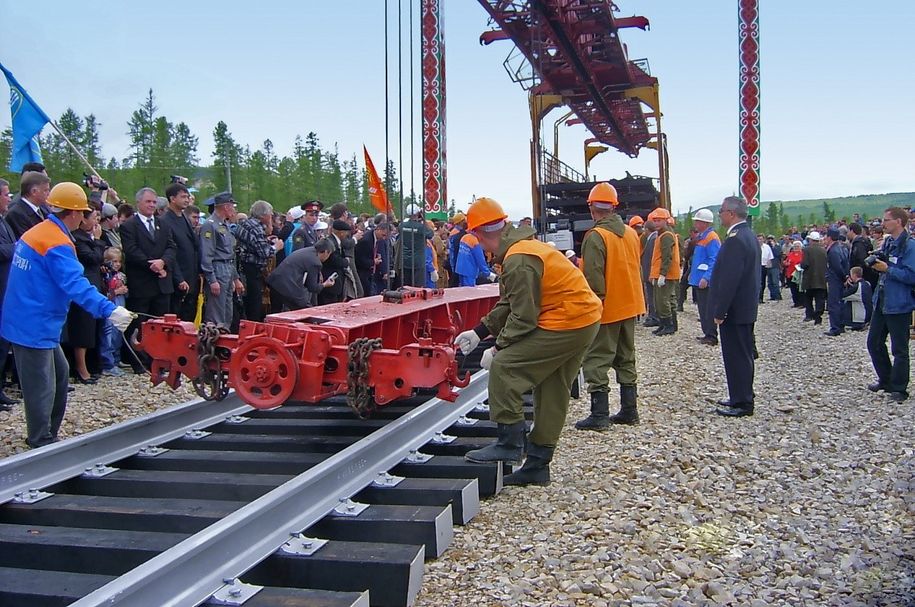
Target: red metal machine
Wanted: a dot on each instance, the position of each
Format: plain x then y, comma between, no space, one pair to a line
374,349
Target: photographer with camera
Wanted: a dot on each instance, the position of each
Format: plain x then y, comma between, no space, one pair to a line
894,301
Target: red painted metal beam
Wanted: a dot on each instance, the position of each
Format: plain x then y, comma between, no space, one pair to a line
306,355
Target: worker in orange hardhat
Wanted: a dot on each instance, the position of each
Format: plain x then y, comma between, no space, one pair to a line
665,272
637,223
544,321
611,266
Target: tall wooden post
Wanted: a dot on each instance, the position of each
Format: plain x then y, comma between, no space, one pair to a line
435,175
748,33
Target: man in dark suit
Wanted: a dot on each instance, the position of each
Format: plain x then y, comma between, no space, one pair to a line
150,259
373,259
733,301
186,272
28,210
837,269
336,263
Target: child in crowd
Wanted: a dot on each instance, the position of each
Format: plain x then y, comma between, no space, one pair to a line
116,290
857,296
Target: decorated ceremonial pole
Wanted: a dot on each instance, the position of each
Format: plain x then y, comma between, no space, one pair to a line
748,35
435,192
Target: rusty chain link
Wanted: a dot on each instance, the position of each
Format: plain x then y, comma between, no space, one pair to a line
211,383
359,395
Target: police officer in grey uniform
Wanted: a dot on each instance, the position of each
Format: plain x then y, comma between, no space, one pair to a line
217,261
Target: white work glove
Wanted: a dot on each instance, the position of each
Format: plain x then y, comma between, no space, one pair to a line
661,281
434,275
467,341
121,318
486,359
493,277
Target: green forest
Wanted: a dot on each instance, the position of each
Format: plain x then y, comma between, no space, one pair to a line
160,148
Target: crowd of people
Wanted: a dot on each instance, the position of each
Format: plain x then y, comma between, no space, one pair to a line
88,274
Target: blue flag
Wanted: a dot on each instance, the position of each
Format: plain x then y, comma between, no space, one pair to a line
28,120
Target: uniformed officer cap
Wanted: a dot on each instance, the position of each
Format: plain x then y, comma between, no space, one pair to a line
221,198
312,205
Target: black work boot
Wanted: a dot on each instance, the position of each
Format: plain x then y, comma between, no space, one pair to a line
536,468
509,446
629,412
651,321
667,327
662,323
674,322
600,413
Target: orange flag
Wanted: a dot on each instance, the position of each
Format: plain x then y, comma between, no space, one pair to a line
377,195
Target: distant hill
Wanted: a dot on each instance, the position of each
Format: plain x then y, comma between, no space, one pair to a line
868,205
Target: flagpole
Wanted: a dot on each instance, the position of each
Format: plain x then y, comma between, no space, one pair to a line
74,148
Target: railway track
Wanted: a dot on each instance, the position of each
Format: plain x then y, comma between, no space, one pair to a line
217,503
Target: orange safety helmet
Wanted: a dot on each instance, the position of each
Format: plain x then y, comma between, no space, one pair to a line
659,214
486,212
603,196
70,196
636,220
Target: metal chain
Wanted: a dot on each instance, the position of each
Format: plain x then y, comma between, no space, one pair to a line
359,395
211,383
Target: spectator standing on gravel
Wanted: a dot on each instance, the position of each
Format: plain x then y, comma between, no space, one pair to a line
110,223
82,326
814,278
775,269
610,254
894,302
765,262
734,305
186,270
373,260
149,255
45,277
836,276
256,246
792,262
861,246
7,246
700,275
858,301
545,319
217,261
114,282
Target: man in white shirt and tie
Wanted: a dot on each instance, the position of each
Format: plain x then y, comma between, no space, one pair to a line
149,257
765,260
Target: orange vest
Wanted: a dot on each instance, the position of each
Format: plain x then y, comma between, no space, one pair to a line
566,300
625,297
674,271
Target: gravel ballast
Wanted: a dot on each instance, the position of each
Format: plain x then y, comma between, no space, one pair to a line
809,502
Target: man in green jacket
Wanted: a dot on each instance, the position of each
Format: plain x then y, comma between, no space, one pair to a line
544,321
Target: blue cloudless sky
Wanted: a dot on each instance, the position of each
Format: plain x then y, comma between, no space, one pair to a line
837,93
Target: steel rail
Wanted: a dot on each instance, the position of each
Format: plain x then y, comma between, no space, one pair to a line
57,462
191,571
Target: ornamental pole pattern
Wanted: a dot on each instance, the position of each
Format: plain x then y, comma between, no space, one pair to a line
748,35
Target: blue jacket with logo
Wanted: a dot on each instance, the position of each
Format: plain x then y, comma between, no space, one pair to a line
45,276
704,255
898,282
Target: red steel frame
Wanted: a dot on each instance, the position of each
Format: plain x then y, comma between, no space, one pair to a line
304,355
575,49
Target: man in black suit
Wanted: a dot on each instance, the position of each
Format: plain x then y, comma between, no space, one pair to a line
733,302
336,263
373,259
150,259
28,210
186,272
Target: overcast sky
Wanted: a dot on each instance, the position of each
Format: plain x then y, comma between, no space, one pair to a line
837,92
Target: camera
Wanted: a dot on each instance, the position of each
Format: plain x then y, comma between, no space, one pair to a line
94,181
874,257
179,179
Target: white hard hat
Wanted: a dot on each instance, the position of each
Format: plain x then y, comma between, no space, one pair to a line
321,225
814,236
704,215
570,253
412,210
